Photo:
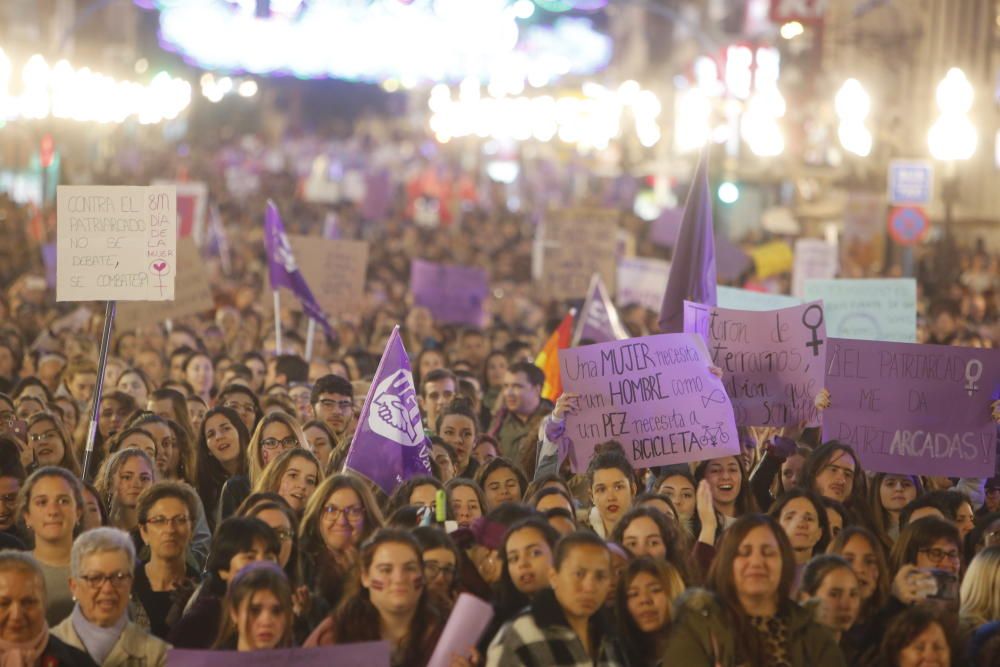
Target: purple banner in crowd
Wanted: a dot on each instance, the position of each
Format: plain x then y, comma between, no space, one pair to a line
361,654
914,409
49,259
655,395
389,444
772,362
454,294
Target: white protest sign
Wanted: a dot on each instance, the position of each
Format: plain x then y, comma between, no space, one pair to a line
116,243
815,259
868,309
642,280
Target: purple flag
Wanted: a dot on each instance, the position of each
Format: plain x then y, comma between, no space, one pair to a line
732,260
664,230
598,321
454,294
914,409
49,259
692,272
389,444
218,242
284,271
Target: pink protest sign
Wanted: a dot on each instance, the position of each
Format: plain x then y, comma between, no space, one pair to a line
655,395
772,361
914,409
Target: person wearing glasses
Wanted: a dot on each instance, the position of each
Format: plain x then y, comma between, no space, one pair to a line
275,433
243,401
103,560
333,403
441,558
164,512
11,480
49,443
339,516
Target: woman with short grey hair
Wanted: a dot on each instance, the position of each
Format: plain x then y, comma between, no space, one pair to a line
25,639
101,564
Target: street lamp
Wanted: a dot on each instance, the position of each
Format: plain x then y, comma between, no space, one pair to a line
953,137
853,104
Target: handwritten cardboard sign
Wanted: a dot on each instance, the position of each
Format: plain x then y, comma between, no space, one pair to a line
655,395
873,309
360,654
745,299
914,409
116,243
577,243
453,294
192,293
815,259
335,270
642,280
772,362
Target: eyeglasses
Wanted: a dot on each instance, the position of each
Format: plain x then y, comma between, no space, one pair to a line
432,570
353,513
8,498
937,555
274,443
161,521
8,417
45,435
342,406
284,535
116,579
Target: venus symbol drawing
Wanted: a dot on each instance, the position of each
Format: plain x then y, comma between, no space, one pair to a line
161,268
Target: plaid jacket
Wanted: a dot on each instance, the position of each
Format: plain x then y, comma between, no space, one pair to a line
541,637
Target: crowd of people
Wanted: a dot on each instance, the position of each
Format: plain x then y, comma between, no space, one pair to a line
216,511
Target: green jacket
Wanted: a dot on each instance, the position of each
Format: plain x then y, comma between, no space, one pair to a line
702,636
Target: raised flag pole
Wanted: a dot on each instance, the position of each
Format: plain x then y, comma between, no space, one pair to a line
102,362
277,322
310,338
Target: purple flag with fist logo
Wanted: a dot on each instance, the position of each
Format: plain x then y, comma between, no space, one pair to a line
283,269
389,444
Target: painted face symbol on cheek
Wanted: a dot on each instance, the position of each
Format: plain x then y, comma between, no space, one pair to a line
377,584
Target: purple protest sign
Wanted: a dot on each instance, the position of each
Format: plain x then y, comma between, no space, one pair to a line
914,409
49,259
654,394
772,362
454,294
360,654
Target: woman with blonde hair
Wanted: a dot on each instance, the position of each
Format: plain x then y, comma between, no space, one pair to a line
275,433
293,475
980,592
120,482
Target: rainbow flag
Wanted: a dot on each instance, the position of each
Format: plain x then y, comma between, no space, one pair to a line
548,358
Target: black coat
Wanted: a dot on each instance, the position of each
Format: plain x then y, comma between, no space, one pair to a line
59,654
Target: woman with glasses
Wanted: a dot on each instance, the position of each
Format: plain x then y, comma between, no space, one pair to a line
275,433
293,475
120,482
11,479
49,443
339,516
275,512
243,401
103,560
50,506
164,513
441,558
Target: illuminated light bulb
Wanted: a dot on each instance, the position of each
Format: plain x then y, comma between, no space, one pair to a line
248,88
952,137
855,138
791,30
852,101
729,193
523,9
954,93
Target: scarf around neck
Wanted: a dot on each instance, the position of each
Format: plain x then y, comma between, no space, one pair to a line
24,654
97,640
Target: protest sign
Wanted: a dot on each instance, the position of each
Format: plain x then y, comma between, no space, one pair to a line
577,243
116,243
745,299
771,258
454,294
192,293
468,618
360,654
335,270
192,207
872,309
642,280
815,259
654,394
862,243
772,362
914,409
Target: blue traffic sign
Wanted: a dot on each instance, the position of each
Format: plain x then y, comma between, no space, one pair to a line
911,182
